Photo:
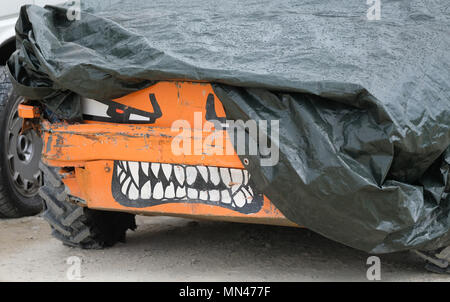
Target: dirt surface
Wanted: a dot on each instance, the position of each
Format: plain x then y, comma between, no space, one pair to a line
175,249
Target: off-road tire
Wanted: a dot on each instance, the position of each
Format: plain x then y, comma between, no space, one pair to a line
13,204
78,226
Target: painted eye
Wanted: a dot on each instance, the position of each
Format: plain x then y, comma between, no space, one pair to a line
92,109
137,117
211,114
113,112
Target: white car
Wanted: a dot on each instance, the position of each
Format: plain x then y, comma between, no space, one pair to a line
9,11
20,150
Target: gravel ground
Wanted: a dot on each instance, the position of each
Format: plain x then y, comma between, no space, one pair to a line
175,249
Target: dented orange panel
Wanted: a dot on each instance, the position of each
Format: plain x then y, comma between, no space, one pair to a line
127,157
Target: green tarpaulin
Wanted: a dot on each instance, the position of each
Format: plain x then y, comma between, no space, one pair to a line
364,106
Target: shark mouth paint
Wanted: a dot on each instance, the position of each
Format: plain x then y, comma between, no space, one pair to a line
143,184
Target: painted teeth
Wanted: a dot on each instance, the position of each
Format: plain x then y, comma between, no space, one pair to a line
225,175
181,192
134,168
143,180
203,172
203,195
239,199
192,193
234,188
250,190
155,169
158,191
214,195
179,174
214,173
248,196
236,176
226,198
170,191
167,169
191,175
146,191
133,194
122,177
144,167
125,185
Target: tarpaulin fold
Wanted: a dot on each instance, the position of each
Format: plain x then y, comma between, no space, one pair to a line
364,106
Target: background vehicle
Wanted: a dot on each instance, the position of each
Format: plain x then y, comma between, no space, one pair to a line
20,150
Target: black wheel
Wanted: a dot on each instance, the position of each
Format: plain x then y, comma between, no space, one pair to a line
20,154
78,226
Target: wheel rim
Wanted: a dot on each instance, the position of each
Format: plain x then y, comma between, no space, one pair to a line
23,152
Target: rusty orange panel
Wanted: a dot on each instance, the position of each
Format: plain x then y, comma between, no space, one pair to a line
94,186
87,142
103,150
27,111
178,101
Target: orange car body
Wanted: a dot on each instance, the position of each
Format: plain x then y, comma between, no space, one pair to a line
98,158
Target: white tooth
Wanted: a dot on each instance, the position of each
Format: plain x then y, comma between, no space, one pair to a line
181,192
192,193
214,195
125,185
191,175
146,191
170,191
158,191
124,164
155,169
203,195
250,190
144,167
179,174
167,169
119,169
122,177
133,193
214,175
234,188
225,175
203,172
248,197
239,199
134,167
226,198
245,177
236,176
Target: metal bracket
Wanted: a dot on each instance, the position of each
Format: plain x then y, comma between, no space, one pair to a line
434,263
